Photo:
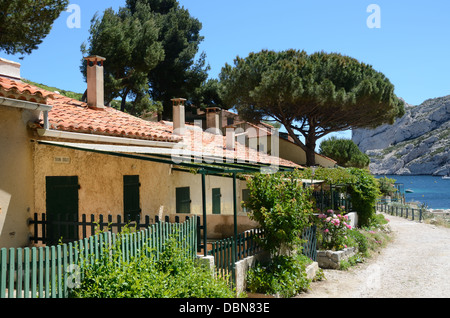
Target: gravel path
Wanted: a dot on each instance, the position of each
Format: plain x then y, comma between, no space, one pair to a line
416,264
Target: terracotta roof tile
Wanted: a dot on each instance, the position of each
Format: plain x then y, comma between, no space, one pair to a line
70,115
19,90
216,145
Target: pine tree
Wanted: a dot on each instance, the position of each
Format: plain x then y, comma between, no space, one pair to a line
25,23
313,95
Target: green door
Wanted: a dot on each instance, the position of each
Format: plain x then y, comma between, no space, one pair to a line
61,206
183,200
131,197
216,199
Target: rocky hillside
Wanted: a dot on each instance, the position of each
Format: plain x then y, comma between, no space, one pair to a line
417,144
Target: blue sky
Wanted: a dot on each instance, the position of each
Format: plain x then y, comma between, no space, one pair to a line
412,46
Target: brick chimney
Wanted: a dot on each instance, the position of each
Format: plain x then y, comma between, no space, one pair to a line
179,116
95,82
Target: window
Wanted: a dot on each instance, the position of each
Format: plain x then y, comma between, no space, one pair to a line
131,197
216,201
183,200
245,197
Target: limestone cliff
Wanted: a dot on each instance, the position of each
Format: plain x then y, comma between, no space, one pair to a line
417,144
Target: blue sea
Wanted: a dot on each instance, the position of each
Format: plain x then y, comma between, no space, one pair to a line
433,191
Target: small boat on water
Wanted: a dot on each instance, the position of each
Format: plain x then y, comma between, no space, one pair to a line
447,177
409,191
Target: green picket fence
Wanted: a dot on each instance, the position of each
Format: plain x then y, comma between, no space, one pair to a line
229,251
50,272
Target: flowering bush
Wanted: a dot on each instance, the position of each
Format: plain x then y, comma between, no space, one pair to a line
334,230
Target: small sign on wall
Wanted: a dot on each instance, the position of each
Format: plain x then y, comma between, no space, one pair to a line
61,160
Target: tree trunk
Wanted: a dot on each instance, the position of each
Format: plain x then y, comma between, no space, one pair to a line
311,150
122,104
310,143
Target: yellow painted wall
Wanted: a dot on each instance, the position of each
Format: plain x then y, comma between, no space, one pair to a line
294,153
101,179
16,176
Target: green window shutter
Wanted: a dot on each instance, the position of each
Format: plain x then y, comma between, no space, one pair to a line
62,205
131,197
183,200
216,200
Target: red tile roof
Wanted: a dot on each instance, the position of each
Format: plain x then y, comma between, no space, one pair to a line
216,145
74,116
18,90
71,115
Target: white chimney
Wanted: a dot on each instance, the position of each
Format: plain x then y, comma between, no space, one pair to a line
231,139
9,69
213,122
95,82
179,116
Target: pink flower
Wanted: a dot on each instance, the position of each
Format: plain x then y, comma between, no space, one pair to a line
327,230
335,222
330,211
322,216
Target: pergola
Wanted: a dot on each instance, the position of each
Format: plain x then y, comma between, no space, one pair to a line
205,165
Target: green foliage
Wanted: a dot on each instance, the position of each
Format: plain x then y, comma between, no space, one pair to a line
364,192
169,274
129,42
25,23
179,74
367,240
334,229
150,48
386,186
281,206
362,186
330,176
345,152
63,92
312,95
284,275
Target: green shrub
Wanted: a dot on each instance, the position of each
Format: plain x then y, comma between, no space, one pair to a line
364,192
357,239
333,230
282,207
345,152
283,275
170,274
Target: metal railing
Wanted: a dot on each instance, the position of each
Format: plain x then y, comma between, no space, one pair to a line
402,211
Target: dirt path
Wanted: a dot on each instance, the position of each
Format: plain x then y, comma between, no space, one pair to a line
416,264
